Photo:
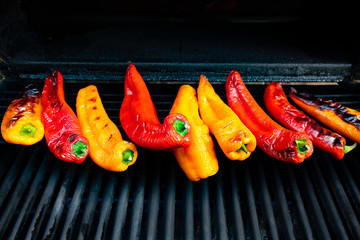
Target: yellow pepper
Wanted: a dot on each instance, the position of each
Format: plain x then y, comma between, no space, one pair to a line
21,123
198,160
233,137
107,147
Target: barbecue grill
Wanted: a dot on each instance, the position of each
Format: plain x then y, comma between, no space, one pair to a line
42,197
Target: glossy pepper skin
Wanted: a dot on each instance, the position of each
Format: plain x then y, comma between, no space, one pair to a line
198,160
62,128
234,138
273,139
341,119
292,118
139,119
21,123
107,147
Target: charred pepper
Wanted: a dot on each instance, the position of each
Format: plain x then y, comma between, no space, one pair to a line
292,118
62,128
21,123
107,147
139,119
341,119
273,139
233,137
198,160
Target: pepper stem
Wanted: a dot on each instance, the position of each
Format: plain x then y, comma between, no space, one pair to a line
79,148
301,145
349,148
128,156
243,148
28,130
180,127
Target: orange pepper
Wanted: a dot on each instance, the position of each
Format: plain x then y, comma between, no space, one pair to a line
21,123
233,137
343,120
198,160
107,147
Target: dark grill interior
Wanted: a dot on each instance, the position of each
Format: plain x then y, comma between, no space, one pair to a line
260,198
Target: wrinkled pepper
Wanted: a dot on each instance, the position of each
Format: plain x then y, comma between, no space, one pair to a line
107,147
21,123
62,128
198,160
294,119
140,122
275,140
341,119
234,138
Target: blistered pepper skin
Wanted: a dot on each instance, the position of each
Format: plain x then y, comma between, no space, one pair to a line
341,119
21,123
140,122
273,139
292,118
234,138
107,147
198,159
62,128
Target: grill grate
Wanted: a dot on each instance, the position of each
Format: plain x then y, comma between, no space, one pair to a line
260,198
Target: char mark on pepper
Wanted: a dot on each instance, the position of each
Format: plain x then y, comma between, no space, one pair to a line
329,105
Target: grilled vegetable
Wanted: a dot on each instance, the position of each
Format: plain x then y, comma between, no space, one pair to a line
234,138
62,128
273,139
107,147
341,119
292,118
139,119
22,120
198,160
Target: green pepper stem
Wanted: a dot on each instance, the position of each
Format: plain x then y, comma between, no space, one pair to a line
128,156
79,148
181,127
302,146
28,130
243,148
349,148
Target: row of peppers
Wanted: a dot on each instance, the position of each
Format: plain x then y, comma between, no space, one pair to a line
238,126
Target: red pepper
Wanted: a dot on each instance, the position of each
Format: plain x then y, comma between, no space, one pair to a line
62,128
289,116
273,139
140,122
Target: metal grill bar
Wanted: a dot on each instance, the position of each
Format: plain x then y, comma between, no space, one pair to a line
75,204
235,200
137,207
205,210
304,220
287,227
253,216
89,211
312,202
220,207
154,200
169,206
342,200
120,214
266,203
188,231
57,208
20,188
